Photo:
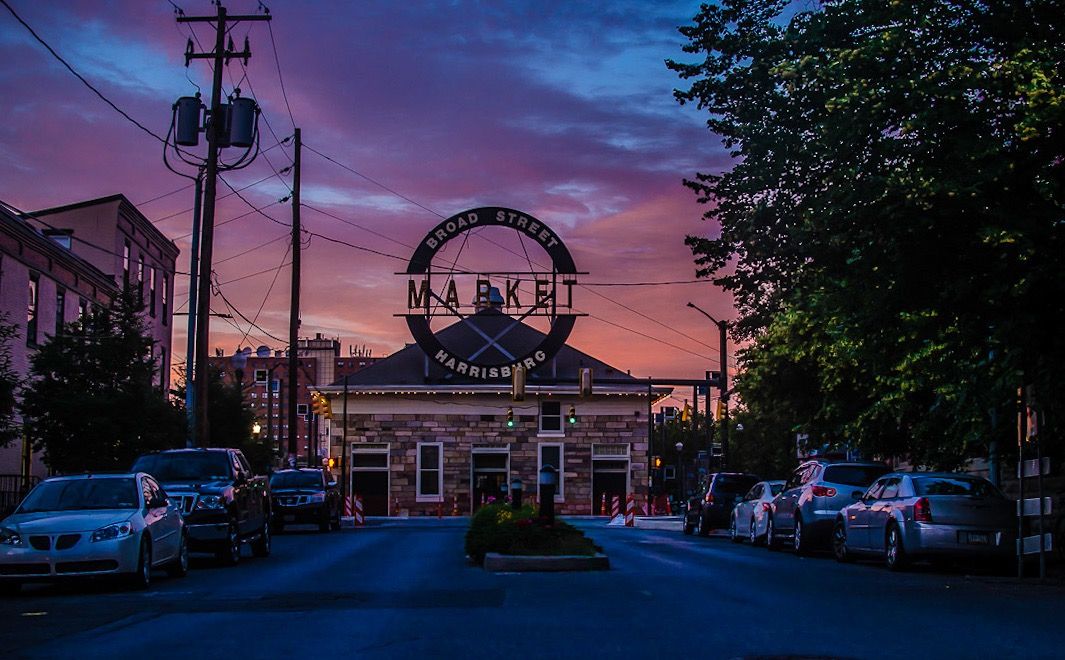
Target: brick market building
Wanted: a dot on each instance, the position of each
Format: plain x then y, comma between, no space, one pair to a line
421,439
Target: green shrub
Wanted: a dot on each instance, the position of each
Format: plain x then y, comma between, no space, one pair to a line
499,528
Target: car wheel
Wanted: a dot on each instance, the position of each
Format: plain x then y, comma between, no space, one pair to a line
179,567
771,541
142,577
688,529
894,552
752,533
261,546
733,533
229,552
839,543
704,529
799,542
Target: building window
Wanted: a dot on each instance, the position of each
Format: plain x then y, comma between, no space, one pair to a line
125,262
553,454
151,292
164,300
430,470
32,309
83,308
260,376
60,309
140,278
551,417
164,367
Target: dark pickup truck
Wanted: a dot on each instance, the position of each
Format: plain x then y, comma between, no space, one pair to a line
223,503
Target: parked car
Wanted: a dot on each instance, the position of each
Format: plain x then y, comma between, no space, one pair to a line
907,516
223,503
92,525
305,496
713,507
806,508
750,515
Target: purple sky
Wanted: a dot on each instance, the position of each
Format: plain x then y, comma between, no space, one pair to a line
563,110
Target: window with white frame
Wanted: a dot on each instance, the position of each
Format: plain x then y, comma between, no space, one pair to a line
553,454
430,472
551,418
260,376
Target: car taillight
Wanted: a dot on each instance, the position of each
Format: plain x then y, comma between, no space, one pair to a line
823,491
922,510
709,498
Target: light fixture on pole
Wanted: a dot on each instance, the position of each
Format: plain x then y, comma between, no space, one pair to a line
722,328
680,468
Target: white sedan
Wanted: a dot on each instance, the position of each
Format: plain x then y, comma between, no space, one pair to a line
749,516
88,525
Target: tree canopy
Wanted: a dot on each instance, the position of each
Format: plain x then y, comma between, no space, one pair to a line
91,401
892,228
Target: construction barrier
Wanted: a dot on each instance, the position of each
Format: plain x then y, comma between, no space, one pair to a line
615,507
347,506
630,511
360,519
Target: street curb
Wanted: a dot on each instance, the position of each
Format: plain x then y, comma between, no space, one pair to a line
495,562
670,524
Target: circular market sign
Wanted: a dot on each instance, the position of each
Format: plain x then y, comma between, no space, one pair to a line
548,292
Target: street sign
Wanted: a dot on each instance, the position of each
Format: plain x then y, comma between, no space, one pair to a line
1031,544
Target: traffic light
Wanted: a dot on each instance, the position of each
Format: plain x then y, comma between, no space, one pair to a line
320,405
510,418
686,414
657,462
517,386
720,410
572,415
332,462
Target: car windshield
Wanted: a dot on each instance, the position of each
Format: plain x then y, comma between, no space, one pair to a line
734,483
955,486
854,475
776,488
185,466
79,494
296,480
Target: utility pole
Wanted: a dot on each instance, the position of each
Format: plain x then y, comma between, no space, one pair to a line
294,310
722,382
216,130
190,351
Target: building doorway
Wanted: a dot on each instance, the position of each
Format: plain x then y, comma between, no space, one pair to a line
370,476
610,476
490,474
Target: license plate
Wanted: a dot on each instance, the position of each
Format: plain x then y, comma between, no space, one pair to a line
977,538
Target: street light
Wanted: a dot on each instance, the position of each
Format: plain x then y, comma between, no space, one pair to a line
722,327
256,429
239,360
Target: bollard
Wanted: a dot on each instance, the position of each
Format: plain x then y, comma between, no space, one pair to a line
360,519
615,506
630,511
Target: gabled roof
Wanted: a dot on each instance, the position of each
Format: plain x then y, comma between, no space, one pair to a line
133,213
409,366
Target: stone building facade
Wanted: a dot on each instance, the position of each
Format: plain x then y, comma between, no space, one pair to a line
421,442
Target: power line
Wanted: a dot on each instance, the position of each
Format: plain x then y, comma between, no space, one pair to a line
269,290
172,192
280,79
374,181
250,250
218,290
80,77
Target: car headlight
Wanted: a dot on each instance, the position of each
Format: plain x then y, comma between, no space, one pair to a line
9,537
317,497
111,532
210,502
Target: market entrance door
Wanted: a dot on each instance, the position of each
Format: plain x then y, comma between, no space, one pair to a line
369,477
491,470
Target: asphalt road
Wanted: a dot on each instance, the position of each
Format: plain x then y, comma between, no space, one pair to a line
404,589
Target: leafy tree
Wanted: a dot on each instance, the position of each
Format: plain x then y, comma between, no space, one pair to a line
9,383
90,402
892,225
230,419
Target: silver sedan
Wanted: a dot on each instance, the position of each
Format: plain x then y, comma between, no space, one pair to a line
909,515
748,519
90,525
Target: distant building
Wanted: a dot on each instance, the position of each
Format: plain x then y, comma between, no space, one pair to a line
265,379
43,284
120,241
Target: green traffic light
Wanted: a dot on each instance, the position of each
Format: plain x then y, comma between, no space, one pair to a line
510,422
572,420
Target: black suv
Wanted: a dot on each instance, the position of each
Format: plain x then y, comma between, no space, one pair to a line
305,496
223,503
713,507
